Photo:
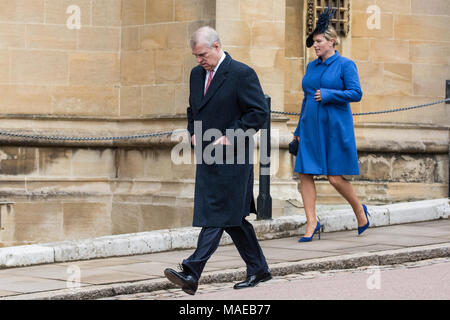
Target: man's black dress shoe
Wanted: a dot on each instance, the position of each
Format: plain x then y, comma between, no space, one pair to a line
252,281
183,279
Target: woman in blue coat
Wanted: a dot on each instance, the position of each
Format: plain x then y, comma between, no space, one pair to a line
325,128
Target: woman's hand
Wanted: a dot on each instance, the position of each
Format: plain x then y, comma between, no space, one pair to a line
317,96
298,138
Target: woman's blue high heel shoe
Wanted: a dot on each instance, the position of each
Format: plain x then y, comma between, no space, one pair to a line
307,239
364,227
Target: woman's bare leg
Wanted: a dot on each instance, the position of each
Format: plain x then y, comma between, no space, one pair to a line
345,188
308,192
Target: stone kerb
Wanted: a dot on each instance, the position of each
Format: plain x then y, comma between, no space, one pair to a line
185,238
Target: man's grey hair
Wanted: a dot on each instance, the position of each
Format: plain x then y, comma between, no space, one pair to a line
206,35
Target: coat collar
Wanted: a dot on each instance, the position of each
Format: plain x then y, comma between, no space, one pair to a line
330,60
216,83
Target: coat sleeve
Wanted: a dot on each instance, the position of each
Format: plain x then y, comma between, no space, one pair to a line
189,111
352,88
252,102
190,118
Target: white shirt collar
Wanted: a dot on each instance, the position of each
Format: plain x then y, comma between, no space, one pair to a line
220,61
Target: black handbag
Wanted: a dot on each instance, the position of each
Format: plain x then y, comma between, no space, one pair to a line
293,147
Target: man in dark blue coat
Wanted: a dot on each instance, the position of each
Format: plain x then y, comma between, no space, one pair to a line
226,107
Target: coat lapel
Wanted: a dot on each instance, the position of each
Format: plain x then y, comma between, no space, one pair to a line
217,81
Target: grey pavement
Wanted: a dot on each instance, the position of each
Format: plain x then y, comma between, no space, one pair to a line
112,276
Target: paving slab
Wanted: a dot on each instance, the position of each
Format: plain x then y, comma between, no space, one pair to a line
107,277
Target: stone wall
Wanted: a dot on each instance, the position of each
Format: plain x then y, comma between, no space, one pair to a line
405,61
126,71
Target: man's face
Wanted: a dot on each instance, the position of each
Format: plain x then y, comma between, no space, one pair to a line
207,57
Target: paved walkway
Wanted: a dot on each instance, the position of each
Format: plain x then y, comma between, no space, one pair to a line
100,278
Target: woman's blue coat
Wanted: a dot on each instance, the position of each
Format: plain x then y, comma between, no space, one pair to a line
327,138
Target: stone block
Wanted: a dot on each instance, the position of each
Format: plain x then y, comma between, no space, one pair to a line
169,66
27,11
413,169
99,39
155,217
138,68
397,79
98,69
86,219
430,52
133,12
442,170
279,10
398,6
130,163
430,7
429,80
130,39
269,64
190,10
25,255
126,218
421,27
164,36
85,100
360,49
293,32
42,36
106,12
181,99
184,238
375,168
384,50
267,34
12,35
371,77
395,192
39,67
92,163
56,11
228,9
386,102
12,187
361,5
159,11
55,162
413,212
360,30
256,10
18,161
158,99
25,99
130,101
38,222
234,33
4,65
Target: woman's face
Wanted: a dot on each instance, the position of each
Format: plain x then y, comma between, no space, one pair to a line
323,47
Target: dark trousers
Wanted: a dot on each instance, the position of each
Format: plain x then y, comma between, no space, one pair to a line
244,239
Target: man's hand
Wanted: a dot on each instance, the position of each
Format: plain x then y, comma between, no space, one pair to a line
222,140
193,140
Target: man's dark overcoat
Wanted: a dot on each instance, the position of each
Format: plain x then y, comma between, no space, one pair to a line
234,100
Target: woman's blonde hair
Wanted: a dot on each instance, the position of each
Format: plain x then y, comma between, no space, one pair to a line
331,33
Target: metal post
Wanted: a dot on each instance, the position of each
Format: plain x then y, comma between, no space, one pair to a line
447,95
447,91
264,201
